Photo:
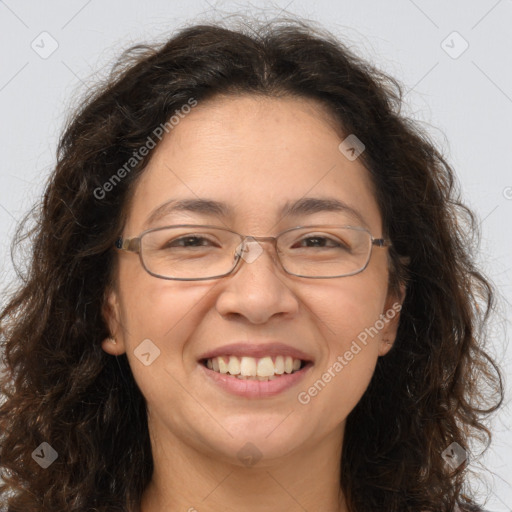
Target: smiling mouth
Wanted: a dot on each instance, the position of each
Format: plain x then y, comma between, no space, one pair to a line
252,368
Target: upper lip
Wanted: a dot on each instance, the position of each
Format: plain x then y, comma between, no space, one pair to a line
257,350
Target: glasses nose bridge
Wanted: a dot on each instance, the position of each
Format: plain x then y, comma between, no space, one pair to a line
261,238
271,239
249,238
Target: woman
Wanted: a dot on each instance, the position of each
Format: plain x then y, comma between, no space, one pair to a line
250,289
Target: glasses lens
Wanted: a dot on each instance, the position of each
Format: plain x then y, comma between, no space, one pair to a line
199,252
325,251
189,252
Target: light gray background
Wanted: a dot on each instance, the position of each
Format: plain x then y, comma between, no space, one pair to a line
465,103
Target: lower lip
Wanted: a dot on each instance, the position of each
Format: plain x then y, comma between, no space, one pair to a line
256,388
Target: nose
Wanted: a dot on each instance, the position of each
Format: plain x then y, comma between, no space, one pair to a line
258,288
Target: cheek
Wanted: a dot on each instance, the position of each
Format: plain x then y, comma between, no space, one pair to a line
347,309
347,316
152,307
349,357
158,320
159,316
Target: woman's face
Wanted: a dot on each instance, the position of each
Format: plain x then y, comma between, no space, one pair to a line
254,155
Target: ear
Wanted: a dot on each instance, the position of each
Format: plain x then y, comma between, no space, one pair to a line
391,319
111,311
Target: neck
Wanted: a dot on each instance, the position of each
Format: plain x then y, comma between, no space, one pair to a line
195,481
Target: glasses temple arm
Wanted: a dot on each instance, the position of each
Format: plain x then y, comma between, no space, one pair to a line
128,244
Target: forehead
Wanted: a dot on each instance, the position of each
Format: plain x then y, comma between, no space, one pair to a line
256,155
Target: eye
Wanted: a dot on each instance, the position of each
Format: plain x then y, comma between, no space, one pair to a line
323,241
187,241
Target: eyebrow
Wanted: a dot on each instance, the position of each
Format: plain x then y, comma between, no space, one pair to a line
212,208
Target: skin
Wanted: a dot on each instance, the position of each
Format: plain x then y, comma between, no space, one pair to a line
254,154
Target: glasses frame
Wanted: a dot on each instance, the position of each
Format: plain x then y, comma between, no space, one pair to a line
134,245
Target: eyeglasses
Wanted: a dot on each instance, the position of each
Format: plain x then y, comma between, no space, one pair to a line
192,252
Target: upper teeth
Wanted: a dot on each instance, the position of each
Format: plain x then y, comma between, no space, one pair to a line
253,367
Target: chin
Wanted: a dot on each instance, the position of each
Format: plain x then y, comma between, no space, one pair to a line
259,443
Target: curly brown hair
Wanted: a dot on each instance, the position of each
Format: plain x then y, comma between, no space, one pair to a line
434,388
